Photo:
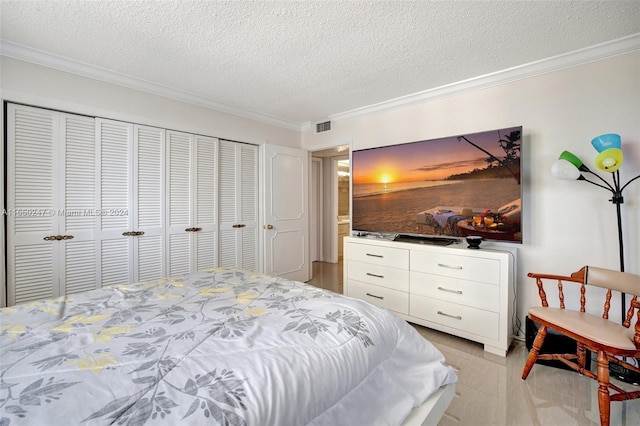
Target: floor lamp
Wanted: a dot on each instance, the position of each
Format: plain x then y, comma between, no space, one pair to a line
609,159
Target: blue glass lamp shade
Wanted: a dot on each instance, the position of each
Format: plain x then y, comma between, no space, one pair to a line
604,142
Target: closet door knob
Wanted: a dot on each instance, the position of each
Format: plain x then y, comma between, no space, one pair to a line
269,226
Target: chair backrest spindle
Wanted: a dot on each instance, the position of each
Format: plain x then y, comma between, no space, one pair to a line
541,293
607,305
560,294
627,320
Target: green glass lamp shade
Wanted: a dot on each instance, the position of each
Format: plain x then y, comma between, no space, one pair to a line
564,169
566,155
609,160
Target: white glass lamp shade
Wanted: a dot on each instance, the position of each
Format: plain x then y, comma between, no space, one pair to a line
563,169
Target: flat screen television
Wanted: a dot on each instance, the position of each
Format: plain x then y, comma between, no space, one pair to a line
447,188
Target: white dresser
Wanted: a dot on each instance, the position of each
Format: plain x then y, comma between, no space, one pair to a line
468,293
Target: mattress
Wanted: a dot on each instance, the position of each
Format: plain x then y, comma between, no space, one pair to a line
222,346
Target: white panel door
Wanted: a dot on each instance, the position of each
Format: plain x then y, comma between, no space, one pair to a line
238,206
286,220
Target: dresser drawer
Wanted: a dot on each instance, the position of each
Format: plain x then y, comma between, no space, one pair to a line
384,276
387,298
471,320
457,266
379,255
464,292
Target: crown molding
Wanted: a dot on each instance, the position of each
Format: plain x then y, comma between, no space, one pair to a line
578,57
555,63
41,57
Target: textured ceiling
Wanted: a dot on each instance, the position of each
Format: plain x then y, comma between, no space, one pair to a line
306,60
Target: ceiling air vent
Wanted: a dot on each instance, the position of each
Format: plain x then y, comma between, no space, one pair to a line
323,127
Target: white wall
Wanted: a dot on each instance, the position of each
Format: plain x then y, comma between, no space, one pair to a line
37,85
567,224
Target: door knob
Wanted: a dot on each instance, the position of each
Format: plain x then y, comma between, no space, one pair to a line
269,227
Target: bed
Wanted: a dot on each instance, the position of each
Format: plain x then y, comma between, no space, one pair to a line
222,346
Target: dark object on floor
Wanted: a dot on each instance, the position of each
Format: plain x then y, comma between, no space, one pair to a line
553,344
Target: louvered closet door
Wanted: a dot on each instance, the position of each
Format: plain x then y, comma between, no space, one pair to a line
50,193
149,203
115,147
178,207
191,202
78,218
32,155
238,211
205,238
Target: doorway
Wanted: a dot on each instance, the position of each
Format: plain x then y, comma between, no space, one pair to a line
331,200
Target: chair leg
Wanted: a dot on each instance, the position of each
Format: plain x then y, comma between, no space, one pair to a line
582,356
604,399
535,350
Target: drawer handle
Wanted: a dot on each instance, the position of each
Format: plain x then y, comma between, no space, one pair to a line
375,255
374,275
449,290
377,297
443,265
458,317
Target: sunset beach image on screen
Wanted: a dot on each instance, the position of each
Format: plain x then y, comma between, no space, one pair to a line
454,186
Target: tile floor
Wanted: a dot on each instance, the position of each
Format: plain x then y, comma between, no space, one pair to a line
490,390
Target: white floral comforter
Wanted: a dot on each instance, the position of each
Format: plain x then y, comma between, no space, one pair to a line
215,347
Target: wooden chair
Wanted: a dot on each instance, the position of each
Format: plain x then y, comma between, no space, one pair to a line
609,340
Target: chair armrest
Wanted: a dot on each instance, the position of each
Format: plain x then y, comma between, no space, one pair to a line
577,277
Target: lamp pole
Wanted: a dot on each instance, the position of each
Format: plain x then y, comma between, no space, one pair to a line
617,199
